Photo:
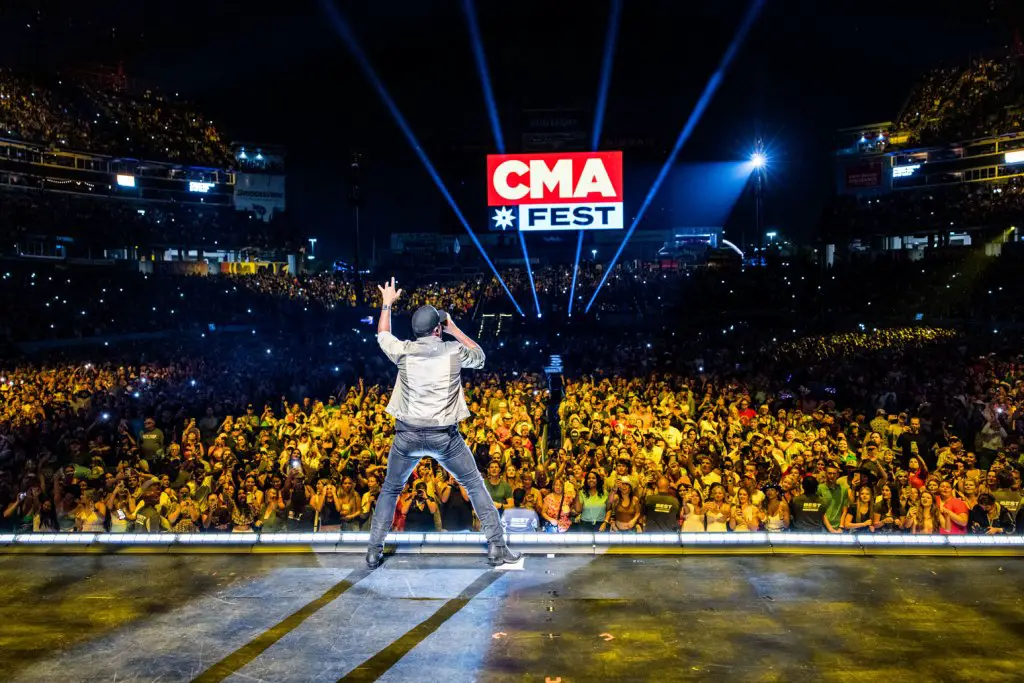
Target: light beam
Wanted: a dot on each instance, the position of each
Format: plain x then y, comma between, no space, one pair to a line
485,77
340,24
698,111
610,40
492,113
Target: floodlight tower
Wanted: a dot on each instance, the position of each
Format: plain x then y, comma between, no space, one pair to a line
758,160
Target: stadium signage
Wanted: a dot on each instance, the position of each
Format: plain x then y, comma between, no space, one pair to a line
1014,157
905,171
559,191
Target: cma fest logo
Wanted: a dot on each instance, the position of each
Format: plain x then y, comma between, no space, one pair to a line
565,191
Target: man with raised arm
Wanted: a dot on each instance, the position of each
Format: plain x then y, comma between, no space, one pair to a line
428,404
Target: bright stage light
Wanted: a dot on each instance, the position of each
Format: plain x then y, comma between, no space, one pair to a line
758,160
698,111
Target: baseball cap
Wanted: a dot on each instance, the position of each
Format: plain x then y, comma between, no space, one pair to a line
425,319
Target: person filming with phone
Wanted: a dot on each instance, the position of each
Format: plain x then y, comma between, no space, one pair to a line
428,403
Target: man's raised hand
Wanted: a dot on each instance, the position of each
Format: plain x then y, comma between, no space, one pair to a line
388,293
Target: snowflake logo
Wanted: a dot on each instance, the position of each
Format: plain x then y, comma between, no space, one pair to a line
503,218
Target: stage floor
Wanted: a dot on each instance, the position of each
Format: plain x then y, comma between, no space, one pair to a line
451,618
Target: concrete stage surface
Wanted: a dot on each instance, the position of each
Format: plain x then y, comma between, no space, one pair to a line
324,617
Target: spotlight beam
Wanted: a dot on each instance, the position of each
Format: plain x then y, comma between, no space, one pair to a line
610,40
575,271
698,111
492,112
481,67
529,274
340,24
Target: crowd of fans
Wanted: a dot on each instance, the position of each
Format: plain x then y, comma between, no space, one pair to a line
225,438
948,105
960,103
284,427
71,113
457,296
930,445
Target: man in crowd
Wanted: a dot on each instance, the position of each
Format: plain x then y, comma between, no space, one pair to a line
661,509
808,511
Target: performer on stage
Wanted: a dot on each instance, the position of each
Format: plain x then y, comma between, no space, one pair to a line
428,404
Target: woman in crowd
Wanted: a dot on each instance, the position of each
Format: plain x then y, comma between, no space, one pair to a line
183,516
242,515
860,516
91,515
717,511
624,508
270,519
925,518
918,472
349,504
888,512
557,508
744,516
592,503
328,507
21,512
776,510
692,511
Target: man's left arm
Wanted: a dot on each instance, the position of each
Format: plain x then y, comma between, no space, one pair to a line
391,346
388,296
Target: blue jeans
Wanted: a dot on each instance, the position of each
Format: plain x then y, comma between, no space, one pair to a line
446,446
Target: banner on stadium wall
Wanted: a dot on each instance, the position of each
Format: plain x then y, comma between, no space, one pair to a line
864,175
262,194
560,191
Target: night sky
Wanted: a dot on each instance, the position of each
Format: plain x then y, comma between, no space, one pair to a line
278,72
